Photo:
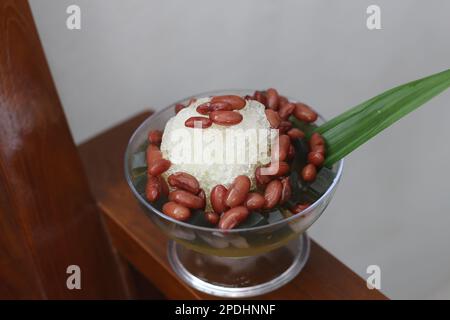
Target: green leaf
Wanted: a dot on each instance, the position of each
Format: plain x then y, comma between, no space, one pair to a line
348,131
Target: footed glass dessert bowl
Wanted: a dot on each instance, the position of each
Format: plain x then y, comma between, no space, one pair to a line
259,255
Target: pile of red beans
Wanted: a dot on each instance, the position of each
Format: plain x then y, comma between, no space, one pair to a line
220,111
231,206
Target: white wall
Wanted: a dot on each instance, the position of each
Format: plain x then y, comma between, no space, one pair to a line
393,206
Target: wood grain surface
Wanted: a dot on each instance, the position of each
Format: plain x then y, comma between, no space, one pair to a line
144,245
48,218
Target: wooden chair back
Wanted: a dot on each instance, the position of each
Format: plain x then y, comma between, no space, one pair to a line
48,218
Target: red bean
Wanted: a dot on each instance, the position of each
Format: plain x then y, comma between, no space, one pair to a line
184,181
304,113
320,148
164,186
156,167
225,118
278,169
153,188
153,153
235,101
286,110
285,126
286,191
221,106
204,108
201,194
283,148
237,193
155,137
212,217
260,96
207,107
176,211
186,199
202,122
282,101
316,158
316,140
260,178
254,201
272,98
179,107
217,197
233,217
291,153
309,173
299,207
273,118
285,143
155,162
272,194
296,133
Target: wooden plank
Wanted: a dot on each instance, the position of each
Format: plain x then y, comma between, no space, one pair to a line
48,218
144,245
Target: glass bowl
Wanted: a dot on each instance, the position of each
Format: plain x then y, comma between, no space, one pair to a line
238,262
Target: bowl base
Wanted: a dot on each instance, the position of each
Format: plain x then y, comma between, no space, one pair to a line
243,276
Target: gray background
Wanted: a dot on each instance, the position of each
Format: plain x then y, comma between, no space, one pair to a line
393,206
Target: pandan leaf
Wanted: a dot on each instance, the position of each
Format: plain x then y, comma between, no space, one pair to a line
348,131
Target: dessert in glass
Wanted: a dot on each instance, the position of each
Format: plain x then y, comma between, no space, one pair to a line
234,178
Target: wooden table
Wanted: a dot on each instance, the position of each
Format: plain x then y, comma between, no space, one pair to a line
143,245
